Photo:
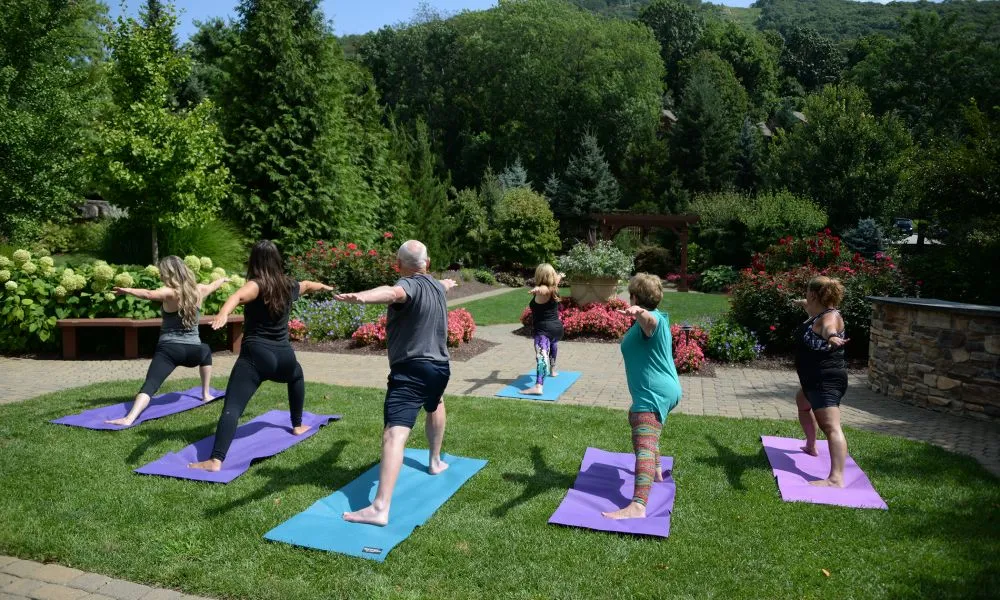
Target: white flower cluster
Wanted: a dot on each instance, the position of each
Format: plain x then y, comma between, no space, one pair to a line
152,271
4,275
193,262
71,282
103,273
5,262
20,257
124,280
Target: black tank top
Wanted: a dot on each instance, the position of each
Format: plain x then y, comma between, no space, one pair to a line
814,354
545,318
260,326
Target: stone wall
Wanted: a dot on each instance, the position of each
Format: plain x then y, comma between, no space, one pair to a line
937,354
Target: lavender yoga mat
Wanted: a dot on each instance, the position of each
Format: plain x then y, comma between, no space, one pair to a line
159,406
794,469
605,483
264,436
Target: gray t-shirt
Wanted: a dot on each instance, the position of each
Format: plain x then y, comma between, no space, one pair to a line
418,328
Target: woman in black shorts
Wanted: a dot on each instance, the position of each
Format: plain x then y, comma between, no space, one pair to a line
266,353
179,344
822,372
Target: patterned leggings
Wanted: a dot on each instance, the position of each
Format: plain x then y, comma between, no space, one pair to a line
546,350
646,429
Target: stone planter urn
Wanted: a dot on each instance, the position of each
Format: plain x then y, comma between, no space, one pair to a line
594,289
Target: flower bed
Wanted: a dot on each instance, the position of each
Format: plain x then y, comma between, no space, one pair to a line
763,296
461,330
36,293
347,266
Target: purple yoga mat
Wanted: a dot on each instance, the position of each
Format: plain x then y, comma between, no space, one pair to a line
605,483
794,469
159,406
264,436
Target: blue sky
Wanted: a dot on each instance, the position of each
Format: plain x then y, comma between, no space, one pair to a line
348,16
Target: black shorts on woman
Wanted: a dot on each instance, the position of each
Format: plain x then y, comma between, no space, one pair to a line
822,370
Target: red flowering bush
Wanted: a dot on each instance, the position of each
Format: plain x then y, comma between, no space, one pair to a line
461,329
600,319
296,330
688,356
762,298
347,266
697,336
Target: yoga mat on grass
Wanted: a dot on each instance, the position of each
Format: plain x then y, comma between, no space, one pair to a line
264,436
553,386
605,483
159,406
794,469
417,496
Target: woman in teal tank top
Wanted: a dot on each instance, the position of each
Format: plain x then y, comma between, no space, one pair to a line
647,351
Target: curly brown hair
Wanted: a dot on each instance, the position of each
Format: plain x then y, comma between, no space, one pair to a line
646,289
829,291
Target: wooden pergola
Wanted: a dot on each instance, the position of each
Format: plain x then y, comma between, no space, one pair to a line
611,224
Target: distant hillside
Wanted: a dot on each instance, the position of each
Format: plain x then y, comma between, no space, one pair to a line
629,9
844,20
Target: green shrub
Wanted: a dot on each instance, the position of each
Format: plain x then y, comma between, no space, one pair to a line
348,267
717,279
510,279
484,276
601,260
866,238
35,293
75,237
128,242
730,342
467,274
654,259
525,233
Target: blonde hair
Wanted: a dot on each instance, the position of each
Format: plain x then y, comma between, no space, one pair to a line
177,276
647,290
545,274
829,291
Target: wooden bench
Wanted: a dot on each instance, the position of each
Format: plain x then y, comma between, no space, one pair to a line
234,327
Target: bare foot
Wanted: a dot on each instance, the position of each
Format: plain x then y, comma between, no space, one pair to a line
301,429
124,421
658,476
369,515
632,511
212,464
553,374
533,391
827,483
437,466
811,451
207,397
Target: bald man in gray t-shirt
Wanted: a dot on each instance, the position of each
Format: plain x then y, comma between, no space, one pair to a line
417,335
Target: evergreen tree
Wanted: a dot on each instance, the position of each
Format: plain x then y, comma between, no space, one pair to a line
748,162
514,176
429,207
587,186
706,136
285,126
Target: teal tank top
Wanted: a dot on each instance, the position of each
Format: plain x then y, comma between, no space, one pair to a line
649,368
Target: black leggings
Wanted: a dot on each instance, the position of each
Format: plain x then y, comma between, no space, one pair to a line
168,357
258,362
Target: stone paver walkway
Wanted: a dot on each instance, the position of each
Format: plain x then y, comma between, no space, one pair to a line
23,579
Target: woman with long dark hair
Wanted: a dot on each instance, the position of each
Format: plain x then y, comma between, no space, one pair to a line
179,345
266,353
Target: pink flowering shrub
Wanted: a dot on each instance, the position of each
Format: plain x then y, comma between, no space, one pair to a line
296,330
697,336
461,330
688,356
600,319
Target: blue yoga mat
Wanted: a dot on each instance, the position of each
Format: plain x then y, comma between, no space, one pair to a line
553,387
416,497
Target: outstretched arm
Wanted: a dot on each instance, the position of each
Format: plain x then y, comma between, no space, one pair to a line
309,287
381,295
157,295
448,284
207,289
647,322
243,295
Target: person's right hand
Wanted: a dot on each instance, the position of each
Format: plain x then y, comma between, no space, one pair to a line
633,310
119,291
351,298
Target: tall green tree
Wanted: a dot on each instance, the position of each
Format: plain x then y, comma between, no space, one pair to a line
587,186
430,214
753,58
286,131
710,116
845,158
813,60
677,27
50,95
165,166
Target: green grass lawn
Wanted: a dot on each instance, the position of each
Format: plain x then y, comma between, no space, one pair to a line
68,495
683,308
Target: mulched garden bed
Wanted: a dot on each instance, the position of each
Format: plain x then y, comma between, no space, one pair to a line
786,362
462,353
465,288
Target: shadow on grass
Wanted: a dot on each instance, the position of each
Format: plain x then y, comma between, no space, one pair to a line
734,464
321,471
543,479
154,436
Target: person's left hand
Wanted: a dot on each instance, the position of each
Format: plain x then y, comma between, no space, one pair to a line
633,310
448,284
351,298
219,322
836,341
